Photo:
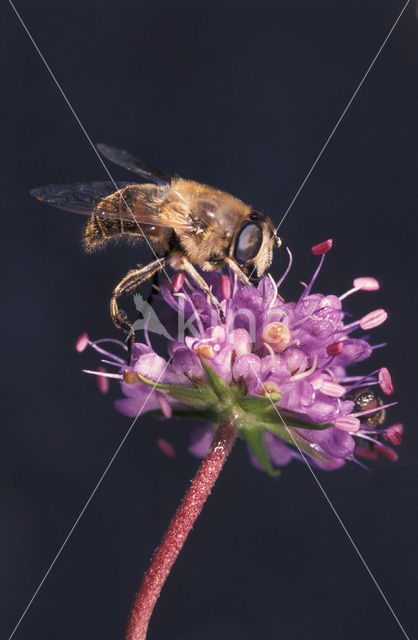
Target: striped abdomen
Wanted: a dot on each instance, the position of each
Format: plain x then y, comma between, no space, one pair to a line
131,201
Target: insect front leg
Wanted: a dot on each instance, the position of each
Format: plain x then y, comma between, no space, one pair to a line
129,284
235,268
187,266
155,286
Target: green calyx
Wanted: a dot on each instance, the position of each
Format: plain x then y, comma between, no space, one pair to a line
210,399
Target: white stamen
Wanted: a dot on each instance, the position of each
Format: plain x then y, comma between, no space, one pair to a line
289,266
117,376
300,376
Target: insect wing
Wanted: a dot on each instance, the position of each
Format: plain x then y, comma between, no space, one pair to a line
130,162
89,198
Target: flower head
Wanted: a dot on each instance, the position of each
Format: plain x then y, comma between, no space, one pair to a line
279,366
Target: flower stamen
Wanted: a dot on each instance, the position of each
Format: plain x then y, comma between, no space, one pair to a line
385,381
82,342
178,281
347,423
165,406
361,284
166,447
322,248
226,287
289,266
305,374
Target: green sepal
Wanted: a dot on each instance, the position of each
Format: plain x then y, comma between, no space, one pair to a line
255,405
197,396
211,400
222,391
281,431
253,434
152,383
272,416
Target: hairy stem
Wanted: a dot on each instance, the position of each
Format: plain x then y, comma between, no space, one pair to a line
178,530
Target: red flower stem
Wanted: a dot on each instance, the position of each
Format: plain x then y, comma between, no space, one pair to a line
179,529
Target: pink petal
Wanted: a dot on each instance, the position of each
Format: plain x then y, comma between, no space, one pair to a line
247,367
200,440
151,366
241,342
296,360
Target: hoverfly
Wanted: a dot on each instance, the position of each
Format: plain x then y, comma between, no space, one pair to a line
365,400
184,222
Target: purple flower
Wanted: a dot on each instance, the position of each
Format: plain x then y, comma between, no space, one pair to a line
281,365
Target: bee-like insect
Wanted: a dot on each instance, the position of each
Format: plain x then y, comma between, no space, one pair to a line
365,400
184,222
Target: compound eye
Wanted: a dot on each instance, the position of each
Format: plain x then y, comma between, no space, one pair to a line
248,243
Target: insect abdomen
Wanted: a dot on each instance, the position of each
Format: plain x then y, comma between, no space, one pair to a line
99,230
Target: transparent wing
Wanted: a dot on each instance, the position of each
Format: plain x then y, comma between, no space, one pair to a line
128,161
81,197
90,198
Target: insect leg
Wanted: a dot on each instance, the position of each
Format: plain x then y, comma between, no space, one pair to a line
155,286
128,284
195,275
235,268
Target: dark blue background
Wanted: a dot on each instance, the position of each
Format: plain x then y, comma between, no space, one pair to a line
241,95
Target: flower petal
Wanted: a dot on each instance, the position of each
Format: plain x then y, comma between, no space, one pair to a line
200,440
247,367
